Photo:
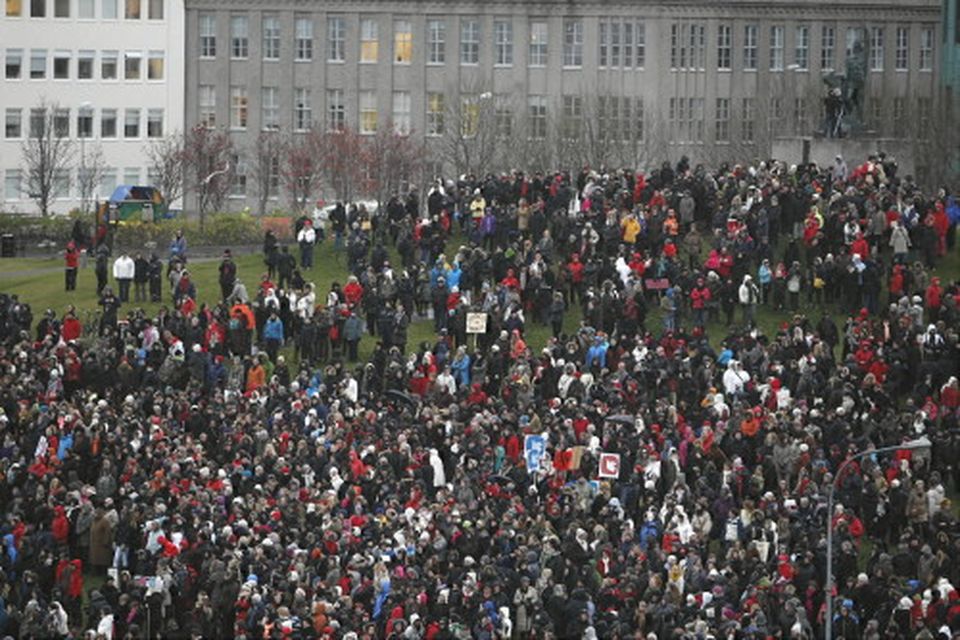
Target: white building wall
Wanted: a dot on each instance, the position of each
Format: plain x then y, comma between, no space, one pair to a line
124,155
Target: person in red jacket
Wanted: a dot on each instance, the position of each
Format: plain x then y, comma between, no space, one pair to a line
933,298
353,291
71,260
575,268
61,525
699,297
70,328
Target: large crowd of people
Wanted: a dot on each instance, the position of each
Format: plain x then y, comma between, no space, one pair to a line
659,467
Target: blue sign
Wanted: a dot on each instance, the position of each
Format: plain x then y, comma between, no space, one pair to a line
534,448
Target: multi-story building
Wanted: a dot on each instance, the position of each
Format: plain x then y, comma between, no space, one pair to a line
951,48
113,72
620,82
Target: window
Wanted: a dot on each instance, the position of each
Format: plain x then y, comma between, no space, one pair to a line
926,49
131,123
800,116
750,47
537,112
132,10
38,122
722,125
698,48
12,184
108,180
923,117
678,46
368,112
572,43
155,64
61,123
435,114
85,122
775,116
618,40
538,44
876,115
61,65
572,117
273,177
14,8
876,49
828,44
208,36
369,40
155,123
239,37
899,113
469,115
14,64
336,111
85,61
402,42
747,125
903,49
108,9
304,33
336,36
38,64
270,108
13,124
60,188
503,43
271,37
61,8
131,65
401,112
302,109
502,117
776,48
109,61
724,47
108,123
469,41
155,10
238,107
131,175
436,41
208,106
86,9
802,49
238,177
38,8
638,118
640,45
854,44
695,111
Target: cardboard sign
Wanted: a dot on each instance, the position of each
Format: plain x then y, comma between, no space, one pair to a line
476,322
609,465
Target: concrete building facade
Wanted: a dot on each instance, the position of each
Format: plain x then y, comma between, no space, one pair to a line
113,70
713,81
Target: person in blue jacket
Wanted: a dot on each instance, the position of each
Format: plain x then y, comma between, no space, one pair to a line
273,336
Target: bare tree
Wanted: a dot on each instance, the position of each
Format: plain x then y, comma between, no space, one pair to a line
343,162
47,153
393,159
89,174
265,157
470,139
301,167
936,144
207,167
167,158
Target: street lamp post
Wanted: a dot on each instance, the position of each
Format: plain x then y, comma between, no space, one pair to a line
919,443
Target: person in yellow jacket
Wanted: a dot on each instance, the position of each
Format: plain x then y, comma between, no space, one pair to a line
630,228
478,206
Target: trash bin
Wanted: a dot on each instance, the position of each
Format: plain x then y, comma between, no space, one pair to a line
8,246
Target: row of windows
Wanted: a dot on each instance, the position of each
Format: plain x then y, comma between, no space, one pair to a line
688,47
86,9
129,123
619,37
621,43
66,183
83,65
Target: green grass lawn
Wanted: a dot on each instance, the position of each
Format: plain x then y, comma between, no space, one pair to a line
40,282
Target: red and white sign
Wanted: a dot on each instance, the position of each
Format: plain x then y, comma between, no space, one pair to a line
609,465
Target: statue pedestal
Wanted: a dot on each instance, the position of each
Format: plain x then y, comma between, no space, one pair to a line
855,149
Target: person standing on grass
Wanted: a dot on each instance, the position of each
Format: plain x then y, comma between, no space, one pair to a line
103,256
155,277
141,275
228,274
71,260
123,272
273,335
307,238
